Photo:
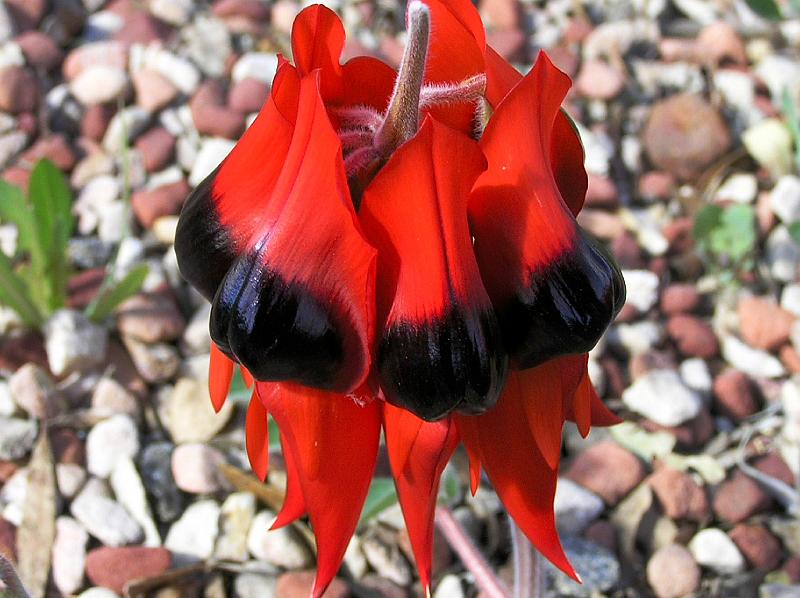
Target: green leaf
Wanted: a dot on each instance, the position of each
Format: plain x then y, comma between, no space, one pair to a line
14,209
706,220
382,495
792,120
794,231
736,236
112,295
765,8
15,294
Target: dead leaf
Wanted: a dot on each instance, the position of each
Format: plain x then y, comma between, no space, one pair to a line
37,533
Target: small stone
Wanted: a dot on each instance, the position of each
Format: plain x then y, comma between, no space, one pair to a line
16,438
298,584
99,84
113,567
282,547
19,90
782,254
174,12
785,199
761,549
672,572
692,336
110,441
770,144
70,478
67,446
150,318
74,342
599,569
192,537
151,204
189,415
696,375
106,53
680,496
739,497
680,298
236,518
126,125
764,324
740,187
734,394
69,555
661,396
212,152
642,289
155,463
157,147
751,361
575,507
40,50
259,66
130,492
713,548
105,519
691,435
790,299
598,80
255,585
637,337
685,134
211,116
248,95
195,468
98,593
153,90
35,392
608,470
718,42
110,398
155,362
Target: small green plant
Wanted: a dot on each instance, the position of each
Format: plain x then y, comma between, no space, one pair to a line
727,235
772,10
33,282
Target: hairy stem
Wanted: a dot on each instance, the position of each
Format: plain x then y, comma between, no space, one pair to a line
528,574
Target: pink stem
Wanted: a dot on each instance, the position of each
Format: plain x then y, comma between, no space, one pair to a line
470,556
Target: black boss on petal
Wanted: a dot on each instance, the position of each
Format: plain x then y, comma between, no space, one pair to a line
455,362
566,307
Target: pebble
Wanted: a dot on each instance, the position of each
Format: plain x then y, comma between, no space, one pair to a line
73,342
636,337
212,152
739,188
110,441
174,12
738,498
126,125
790,299
661,396
189,415
99,84
575,507
150,318
761,549
155,362
672,572
19,90
685,134
785,199
599,569
113,567
282,547
712,548
193,536
130,492
153,90
695,374
735,395
692,336
98,593
210,114
641,289
681,497
157,148
679,298
754,362
69,555
598,80
255,585
40,50
34,391
16,438
110,398
236,518
248,95
105,519
70,478
195,468
255,65
298,584
770,144
607,470
6,24
764,324
155,463
179,71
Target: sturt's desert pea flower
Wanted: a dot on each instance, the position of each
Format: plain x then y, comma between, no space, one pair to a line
381,256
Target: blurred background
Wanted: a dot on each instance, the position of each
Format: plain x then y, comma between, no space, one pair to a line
110,112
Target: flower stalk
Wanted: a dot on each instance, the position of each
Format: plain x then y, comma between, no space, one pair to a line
528,572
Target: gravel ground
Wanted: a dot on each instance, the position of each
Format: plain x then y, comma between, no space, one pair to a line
682,105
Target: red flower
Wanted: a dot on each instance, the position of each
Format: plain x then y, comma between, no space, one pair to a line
377,261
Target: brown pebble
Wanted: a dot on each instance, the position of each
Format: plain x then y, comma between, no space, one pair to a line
19,90
692,336
763,323
735,395
739,497
761,549
150,205
679,298
298,584
608,470
672,572
157,147
680,495
113,567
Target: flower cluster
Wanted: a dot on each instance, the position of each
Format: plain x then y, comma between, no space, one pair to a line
380,256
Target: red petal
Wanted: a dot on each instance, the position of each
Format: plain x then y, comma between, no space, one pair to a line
566,160
602,416
294,505
257,437
299,311
367,82
220,374
247,377
542,391
555,289
334,443
418,454
455,52
317,43
440,348
522,478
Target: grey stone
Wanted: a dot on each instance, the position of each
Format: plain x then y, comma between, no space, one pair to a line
575,507
73,342
598,567
35,392
156,468
192,537
282,547
105,519
16,438
662,397
109,442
